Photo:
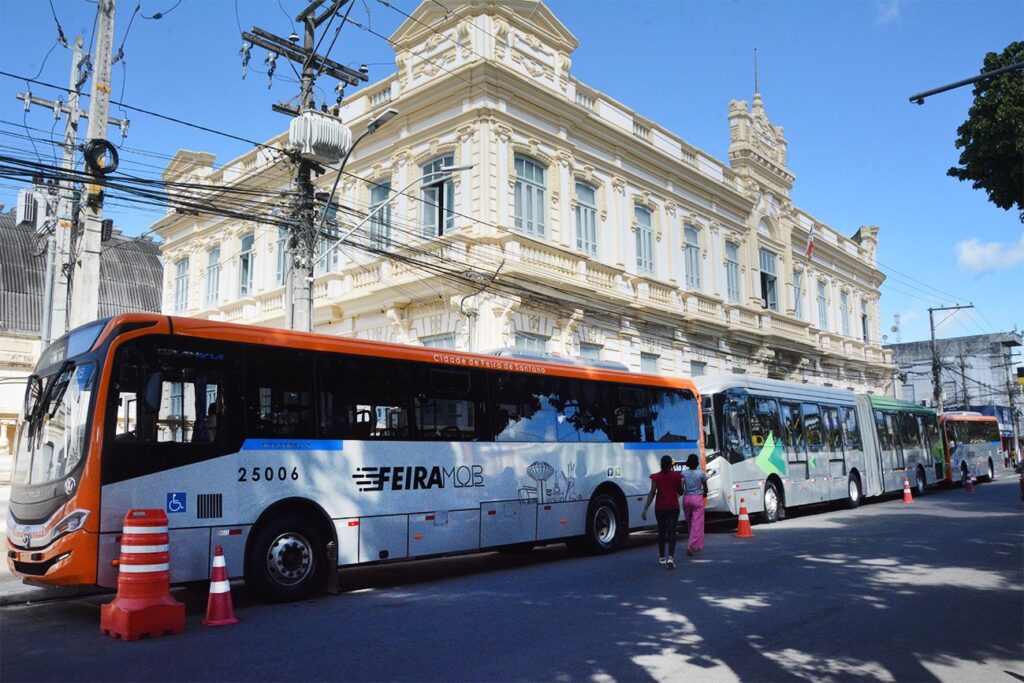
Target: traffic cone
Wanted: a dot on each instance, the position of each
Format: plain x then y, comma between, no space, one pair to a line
907,498
969,483
219,611
743,526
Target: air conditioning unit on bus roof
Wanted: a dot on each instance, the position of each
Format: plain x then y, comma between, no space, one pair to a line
319,137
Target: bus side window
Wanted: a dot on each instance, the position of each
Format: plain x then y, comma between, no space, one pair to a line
792,431
363,398
833,430
813,431
527,407
673,415
885,436
851,431
447,403
764,421
585,419
278,396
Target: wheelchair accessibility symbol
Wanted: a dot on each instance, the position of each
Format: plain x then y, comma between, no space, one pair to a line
176,502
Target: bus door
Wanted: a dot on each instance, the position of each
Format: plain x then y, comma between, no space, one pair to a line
817,455
892,449
835,451
798,490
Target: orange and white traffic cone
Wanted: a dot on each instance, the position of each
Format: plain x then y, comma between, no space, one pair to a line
743,526
969,483
907,498
219,611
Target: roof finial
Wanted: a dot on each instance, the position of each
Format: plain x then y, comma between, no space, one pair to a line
756,90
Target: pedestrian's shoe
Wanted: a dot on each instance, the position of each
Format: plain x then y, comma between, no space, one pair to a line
662,560
690,552
670,562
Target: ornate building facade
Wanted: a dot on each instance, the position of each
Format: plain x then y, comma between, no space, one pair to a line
580,229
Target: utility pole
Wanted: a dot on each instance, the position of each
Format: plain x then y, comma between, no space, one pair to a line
963,382
936,365
59,245
304,232
85,296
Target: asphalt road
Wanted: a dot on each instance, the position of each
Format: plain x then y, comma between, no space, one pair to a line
888,592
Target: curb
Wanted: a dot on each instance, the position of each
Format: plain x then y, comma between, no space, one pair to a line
23,594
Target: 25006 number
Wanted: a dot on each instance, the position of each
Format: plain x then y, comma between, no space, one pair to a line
267,474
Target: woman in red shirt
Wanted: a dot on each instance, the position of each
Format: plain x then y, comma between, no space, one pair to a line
667,485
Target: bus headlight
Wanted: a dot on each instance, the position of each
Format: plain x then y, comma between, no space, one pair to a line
69,524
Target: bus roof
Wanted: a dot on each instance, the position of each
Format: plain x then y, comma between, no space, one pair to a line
967,416
252,334
712,384
886,403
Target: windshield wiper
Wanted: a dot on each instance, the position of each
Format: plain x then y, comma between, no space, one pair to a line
43,404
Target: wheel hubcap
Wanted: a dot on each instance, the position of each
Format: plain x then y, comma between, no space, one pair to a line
854,491
771,502
604,525
289,559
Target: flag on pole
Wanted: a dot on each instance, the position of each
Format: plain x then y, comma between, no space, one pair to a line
810,243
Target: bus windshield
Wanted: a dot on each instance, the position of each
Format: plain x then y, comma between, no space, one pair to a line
52,434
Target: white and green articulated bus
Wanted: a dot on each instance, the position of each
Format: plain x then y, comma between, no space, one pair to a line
775,444
301,453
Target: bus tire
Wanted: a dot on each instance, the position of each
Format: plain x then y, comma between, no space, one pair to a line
286,560
853,492
606,527
920,486
774,508
991,471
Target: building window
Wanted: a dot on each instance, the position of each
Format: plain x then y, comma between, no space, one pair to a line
380,224
692,258
245,266
326,253
213,276
798,294
864,319
844,312
822,306
281,252
649,363
590,351
439,341
732,272
698,368
529,196
769,288
644,241
586,219
181,286
437,197
531,342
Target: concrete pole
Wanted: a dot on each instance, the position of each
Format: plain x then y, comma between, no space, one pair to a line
85,297
65,207
302,244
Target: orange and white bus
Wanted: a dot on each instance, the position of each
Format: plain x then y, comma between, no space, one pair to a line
972,445
291,449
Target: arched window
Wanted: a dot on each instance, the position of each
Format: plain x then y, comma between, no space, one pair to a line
529,196
692,258
586,219
437,197
732,272
644,241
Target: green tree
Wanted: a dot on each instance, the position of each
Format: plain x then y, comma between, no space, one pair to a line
992,137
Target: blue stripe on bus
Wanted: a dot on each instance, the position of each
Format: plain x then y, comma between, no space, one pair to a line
293,445
659,445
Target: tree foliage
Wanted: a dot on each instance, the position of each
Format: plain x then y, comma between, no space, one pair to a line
992,137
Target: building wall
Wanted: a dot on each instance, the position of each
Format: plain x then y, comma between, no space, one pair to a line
492,83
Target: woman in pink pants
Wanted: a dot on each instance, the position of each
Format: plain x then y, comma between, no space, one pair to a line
695,491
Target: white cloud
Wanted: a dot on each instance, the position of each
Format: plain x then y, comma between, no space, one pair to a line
887,11
976,256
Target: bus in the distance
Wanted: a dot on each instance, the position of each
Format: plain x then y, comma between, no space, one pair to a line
972,445
776,444
291,449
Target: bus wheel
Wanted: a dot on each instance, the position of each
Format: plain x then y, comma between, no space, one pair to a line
773,507
852,492
991,471
286,560
606,530
919,487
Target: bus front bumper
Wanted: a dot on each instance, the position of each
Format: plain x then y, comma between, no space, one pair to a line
68,561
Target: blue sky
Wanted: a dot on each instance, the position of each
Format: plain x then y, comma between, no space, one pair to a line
835,75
